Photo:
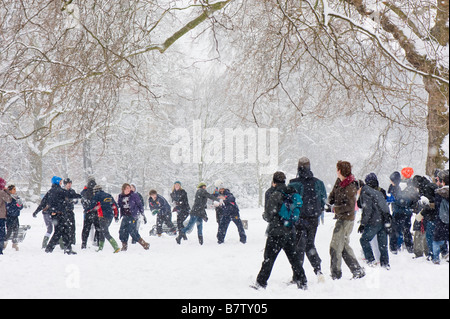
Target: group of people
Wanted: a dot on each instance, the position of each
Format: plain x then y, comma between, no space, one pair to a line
384,215
100,208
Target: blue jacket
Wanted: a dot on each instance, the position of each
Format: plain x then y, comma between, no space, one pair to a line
106,206
160,204
230,207
14,207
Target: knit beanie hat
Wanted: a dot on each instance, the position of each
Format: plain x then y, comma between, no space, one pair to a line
407,172
2,183
395,178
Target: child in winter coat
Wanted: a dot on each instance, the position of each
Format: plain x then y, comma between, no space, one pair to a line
12,219
161,208
5,198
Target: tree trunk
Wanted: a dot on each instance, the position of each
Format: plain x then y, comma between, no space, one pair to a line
437,124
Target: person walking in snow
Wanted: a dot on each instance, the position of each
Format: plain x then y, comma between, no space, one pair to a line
181,204
12,219
160,207
70,207
343,199
279,235
314,196
142,215
43,206
375,215
406,198
230,212
5,198
56,201
130,209
197,214
107,209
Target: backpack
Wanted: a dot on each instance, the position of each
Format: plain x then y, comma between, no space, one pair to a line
290,210
443,211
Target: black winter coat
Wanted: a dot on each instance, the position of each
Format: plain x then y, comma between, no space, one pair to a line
374,207
201,198
276,197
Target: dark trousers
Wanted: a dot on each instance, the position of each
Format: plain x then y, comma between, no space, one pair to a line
181,217
369,233
223,227
105,222
89,220
164,218
2,233
401,225
12,228
62,230
71,227
306,231
274,245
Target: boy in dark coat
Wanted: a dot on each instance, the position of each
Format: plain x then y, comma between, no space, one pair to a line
314,196
56,202
107,209
375,214
279,236
159,206
198,213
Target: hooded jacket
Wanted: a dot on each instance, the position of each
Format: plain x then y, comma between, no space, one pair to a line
374,207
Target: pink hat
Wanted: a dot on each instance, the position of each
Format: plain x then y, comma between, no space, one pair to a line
2,183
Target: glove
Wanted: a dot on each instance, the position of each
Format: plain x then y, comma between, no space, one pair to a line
35,214
361,229
328,208
424,201
145,219
419,217
155,212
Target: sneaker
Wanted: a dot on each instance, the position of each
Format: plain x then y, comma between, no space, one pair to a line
359,274
258,286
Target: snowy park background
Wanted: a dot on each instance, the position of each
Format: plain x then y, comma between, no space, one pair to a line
191,271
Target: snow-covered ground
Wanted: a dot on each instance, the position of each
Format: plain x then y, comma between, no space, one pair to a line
191,271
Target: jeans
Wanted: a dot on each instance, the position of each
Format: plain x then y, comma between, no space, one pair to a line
223,227
192,221
128,228
369,233
437,249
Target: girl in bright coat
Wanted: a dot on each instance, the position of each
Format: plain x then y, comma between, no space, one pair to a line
5,198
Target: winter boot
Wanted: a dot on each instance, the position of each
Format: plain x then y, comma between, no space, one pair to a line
101,244
5,244
181,235
144,244
15,246
69,251
45,242
114,244
124,246
200,239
